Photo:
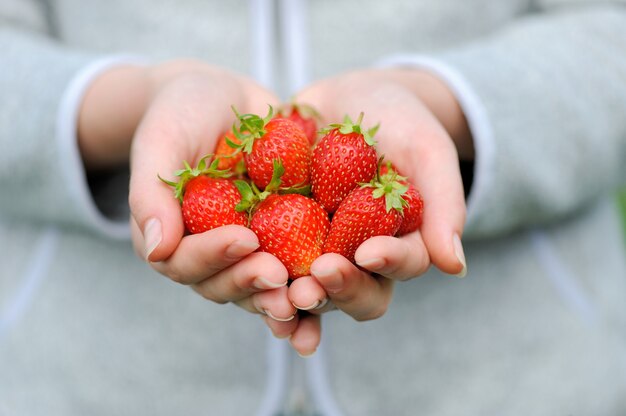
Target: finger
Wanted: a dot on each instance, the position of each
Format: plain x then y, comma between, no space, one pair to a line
423,150
257,97
281,329
395,258
417,143
200,256
307,294
137,238
316,95
273,303
444,203
182,123
258,271
355,292
307,336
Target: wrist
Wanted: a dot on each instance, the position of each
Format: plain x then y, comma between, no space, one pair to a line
109,115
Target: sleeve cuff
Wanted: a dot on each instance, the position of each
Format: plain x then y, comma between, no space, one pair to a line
73,171
476,116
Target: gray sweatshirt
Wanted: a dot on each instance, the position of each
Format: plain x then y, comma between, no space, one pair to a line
537,327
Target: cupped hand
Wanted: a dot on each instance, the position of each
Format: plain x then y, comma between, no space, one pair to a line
176,112
422,131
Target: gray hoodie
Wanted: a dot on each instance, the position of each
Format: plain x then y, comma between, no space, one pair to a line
538,326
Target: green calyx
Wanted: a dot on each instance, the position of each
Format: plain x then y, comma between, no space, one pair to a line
251,195
251,128
188,173
348,127
390,185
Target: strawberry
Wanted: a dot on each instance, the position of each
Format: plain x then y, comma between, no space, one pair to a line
265,139
303,115
207,196
342,159
370,210
413,211
291,226
228,155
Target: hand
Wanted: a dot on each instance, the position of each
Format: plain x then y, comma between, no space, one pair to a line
174,112
423,131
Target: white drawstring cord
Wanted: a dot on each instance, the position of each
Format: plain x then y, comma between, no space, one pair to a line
296,53
39,264
277,368
295,43
319,384
263,38
562,278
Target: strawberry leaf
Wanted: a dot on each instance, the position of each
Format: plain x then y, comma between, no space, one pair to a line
185,175
248,197
378,192
277,172
232,144
301,190
348,127
251,128
391,186
368,136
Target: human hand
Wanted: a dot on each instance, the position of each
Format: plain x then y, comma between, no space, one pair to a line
173,112
422,131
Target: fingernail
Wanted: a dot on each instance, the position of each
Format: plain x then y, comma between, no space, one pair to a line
152,234
301,354
306,354
240,248
318,304
263,284
268,313
460,255
321,304
372,264
331,279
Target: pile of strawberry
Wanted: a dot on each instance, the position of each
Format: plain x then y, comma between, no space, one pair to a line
301,196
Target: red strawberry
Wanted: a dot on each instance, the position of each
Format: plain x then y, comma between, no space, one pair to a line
264,140
228,155
208,198
371,210
305,116
342,159
293,228
413,211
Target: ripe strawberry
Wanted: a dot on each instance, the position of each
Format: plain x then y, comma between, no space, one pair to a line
208,198
293,228
305,116
228,155
290,226
342,159
371,210
264,140
413,211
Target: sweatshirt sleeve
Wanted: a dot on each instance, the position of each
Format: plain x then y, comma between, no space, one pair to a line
545,99
42,178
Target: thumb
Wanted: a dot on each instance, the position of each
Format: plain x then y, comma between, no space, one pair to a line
164,139
154,209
